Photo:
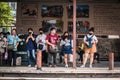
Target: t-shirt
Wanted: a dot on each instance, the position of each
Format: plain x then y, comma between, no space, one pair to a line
93,38
52,39
30,43
13,39
43,39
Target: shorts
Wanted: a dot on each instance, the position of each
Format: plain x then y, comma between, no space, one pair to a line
91,50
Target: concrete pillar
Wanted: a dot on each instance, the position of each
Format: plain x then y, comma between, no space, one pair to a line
111,61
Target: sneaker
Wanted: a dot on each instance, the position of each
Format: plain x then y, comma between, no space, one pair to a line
82,66
39,68
50,65
90,66
29,65
66,65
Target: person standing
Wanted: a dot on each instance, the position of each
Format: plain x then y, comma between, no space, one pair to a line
30,46
91,41
66,44
41,47
11,45
52,40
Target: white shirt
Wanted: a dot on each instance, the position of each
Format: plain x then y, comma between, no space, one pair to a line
43,39
62,42
94,38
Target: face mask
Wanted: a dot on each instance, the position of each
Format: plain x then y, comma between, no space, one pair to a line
90,33
41,33
30,33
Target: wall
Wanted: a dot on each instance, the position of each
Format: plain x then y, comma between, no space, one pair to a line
103,16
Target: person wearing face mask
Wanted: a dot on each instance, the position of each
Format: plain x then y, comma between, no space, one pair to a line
91,41
30,46
52,40
66,34
41,46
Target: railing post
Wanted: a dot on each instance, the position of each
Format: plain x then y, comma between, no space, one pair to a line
39,60
111,61
74,33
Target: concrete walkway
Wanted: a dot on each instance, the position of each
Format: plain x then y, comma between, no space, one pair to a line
31,78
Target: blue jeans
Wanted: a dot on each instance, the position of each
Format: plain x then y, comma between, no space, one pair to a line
32,52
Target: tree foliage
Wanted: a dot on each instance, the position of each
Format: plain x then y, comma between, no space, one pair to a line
6,17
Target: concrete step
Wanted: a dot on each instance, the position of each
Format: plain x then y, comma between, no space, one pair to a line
59,72
31,78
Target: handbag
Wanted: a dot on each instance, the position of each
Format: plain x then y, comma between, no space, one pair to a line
40,46
6,56
10,46
53,50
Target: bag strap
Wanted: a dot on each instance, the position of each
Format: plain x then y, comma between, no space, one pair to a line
90,37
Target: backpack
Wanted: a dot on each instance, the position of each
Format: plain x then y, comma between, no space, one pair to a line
89,40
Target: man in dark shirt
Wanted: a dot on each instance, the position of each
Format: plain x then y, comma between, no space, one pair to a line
30,46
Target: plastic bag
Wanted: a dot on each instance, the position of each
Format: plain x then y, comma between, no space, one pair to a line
6,56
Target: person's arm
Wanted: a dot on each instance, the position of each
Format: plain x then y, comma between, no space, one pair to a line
44,39
37,39
47,41
32,37
27,39
18,40
95,40
85,40
7,43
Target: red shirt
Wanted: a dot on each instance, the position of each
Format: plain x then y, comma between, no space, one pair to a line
52,39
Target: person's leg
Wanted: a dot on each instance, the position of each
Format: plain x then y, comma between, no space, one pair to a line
14,58
9,57
98,57
60,57
66,60
50,60
54,58
46,57
33,56
28,54
85,59
43,57
91,59
81,55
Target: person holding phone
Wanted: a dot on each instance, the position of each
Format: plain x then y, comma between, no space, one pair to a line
30,46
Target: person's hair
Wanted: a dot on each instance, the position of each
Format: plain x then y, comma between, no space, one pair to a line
52,28
65,37
30,29
14,29
40,29
1,33
8,33
65,33
91,29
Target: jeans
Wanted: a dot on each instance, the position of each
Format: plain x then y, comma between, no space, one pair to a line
31,54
